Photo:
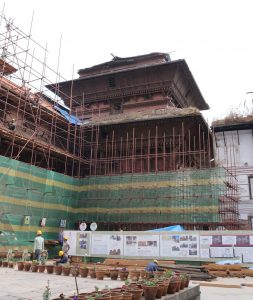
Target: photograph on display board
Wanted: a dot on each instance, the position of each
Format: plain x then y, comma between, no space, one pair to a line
242,240
131,240
148,245
217,239
192,238
82,243
115,244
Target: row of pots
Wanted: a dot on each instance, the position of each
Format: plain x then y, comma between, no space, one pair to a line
134,291
73,270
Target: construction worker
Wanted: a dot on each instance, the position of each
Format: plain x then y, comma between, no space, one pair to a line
153,266
65,245
63,258
38,245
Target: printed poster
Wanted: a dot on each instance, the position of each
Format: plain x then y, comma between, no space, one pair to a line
245,254
221,252
107,244
179,245
141,245
204,243
82,243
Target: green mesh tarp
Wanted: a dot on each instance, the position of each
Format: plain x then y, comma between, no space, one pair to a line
181,197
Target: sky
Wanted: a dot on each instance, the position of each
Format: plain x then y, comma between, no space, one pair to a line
214,37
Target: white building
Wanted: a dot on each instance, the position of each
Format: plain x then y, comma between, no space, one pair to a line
233,144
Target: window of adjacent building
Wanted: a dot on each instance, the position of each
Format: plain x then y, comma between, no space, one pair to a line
251,187
116,107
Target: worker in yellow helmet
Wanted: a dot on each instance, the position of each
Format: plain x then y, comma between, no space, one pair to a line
63,258
38,245
65,245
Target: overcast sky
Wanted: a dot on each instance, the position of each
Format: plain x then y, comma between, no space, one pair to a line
215,37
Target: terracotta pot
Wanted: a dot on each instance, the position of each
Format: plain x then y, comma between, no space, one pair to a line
104,297
20,265
136,293
92,273
160,289
116,296
74,271
1,263
100,274
187,281
172,288
134,275
179,284
58,270
11,264
41,268
66,271
123,275
27,266
84,272
50,269
127,296
34,267
182,284
114,274
5,264
165,285
150,292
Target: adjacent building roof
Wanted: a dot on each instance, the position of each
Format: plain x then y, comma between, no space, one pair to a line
233,122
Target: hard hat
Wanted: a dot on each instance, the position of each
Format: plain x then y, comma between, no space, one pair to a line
155,261
65,238
61,253
39,232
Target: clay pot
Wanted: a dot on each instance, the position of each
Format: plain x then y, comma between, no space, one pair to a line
123,275
179,284
66,271
165,285
100,274
92,273
150,292
84,272
5,264
136,293
20,265
182,284
187,281
104,297
160,289
116,296
74,271
114,274
134,275
41,268
127,296
11,264
34,267
58,270
172,288
50,269
27,266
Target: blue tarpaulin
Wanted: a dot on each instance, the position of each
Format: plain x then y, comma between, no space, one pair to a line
72,119
170,228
